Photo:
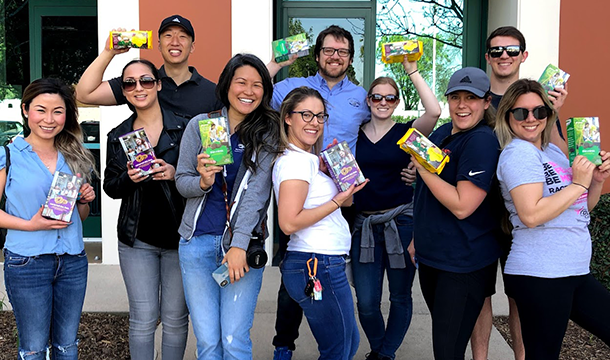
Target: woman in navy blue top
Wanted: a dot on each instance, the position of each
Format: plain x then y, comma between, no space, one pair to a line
456,223
384,224
45,267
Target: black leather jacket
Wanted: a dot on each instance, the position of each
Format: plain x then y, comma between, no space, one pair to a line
118,185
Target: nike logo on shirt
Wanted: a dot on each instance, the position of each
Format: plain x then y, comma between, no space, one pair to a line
473,173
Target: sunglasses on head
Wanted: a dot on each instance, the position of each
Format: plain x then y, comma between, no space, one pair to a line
540,112
390,99
145,83
497,51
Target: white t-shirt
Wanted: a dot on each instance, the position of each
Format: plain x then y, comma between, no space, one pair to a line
330,235
560,247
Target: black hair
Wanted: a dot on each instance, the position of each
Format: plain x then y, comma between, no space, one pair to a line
260,128
509,31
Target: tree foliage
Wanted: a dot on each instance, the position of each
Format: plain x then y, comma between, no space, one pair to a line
446,64
446,16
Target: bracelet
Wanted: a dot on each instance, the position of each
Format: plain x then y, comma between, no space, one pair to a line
82,203
336,203
581,185
412,72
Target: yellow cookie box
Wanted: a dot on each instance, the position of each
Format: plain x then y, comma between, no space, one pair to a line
395,52
425,152
139,39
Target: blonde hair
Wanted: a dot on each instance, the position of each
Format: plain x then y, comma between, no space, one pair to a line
521,87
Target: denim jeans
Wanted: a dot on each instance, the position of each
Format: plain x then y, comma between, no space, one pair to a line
154,286
221,317
47,294
331,319
368,281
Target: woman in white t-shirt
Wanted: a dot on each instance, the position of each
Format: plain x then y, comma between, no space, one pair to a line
547,270
313,269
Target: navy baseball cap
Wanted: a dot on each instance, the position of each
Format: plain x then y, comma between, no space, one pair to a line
177,20
469,79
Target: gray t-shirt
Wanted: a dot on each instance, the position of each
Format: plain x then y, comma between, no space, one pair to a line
560,247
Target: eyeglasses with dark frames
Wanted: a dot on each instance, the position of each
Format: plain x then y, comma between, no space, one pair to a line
328,51
390,99
145,82
497,51
308,116
539,112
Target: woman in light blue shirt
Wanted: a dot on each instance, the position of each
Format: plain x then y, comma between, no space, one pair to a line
45,268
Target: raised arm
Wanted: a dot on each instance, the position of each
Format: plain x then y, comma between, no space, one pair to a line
427,121
91,89
275,67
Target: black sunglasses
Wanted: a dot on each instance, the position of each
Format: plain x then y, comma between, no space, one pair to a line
390,99
497,51
145,83
308,116
540,112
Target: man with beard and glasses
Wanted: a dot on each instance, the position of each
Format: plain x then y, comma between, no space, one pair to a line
347,109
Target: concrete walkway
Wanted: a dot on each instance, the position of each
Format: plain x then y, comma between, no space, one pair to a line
106,293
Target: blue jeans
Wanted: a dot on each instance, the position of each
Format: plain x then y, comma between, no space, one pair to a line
331,319
368,281
47,294
221,317
154,286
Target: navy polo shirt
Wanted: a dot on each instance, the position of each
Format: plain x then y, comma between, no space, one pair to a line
195,96
441,240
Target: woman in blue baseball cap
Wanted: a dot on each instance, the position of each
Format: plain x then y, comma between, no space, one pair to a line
456,216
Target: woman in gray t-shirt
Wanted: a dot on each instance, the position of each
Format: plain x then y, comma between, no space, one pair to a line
547,270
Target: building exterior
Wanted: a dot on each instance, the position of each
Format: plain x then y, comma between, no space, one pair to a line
555,33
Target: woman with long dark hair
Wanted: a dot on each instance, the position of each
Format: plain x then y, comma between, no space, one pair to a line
227,207
45,265
151,210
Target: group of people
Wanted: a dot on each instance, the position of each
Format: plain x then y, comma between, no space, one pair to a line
188,216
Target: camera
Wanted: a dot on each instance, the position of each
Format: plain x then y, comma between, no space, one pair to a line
256,256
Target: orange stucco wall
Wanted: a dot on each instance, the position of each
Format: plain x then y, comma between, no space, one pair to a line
584,54
211,20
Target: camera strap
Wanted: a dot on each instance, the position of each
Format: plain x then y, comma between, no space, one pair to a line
227,206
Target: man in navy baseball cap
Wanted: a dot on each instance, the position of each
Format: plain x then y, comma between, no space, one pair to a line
177,20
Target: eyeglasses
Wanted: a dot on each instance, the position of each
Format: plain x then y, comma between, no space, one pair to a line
390,99
328,51
497,51
145,83
540,112
308,116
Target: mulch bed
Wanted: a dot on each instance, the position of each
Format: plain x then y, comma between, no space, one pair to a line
578,344
103,336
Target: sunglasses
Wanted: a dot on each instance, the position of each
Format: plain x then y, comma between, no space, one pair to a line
308,116
390,99
145,83
497,51
540,112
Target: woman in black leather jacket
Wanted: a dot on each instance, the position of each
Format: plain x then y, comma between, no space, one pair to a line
151,211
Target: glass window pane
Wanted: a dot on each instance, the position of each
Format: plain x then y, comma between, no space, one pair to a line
69,45
307,65
14,49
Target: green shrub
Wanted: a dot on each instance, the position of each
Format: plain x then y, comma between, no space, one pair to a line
403,119
600,236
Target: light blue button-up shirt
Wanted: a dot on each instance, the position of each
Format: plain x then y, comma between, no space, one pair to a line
346,103
26,189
